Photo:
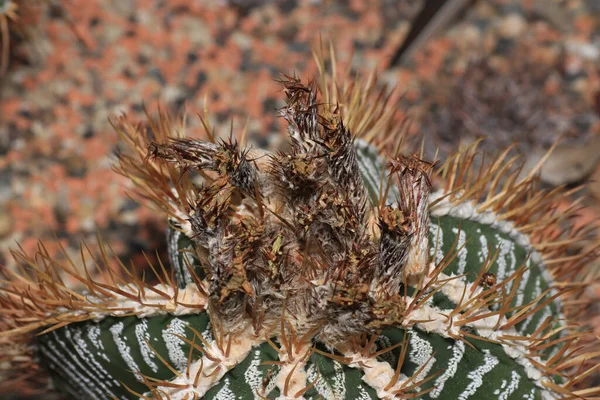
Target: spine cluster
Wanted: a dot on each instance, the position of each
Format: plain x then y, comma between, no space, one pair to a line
297,228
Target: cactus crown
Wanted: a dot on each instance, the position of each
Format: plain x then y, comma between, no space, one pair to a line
294,232
323,271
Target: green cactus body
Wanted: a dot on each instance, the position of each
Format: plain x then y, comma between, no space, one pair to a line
293,279
95,359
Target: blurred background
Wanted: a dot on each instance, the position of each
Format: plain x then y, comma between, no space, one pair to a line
515,71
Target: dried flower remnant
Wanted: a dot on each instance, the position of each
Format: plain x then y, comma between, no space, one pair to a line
323,271
488,279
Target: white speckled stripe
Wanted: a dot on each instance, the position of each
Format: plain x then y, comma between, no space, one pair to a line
143,337
515,379
362,394
438,242
458,351
69,378
333,389
483,247
325,391
88,357
507,248
530,396
124,350
213,372
94,336
178,357
253,375
225,393
537,292
421,353
70,370
339,380
78,357
462,250
523,283
476,376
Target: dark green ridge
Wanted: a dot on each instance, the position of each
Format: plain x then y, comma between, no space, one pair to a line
479,240
510,257
87,354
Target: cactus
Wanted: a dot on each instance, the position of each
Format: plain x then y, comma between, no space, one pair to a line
340,269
